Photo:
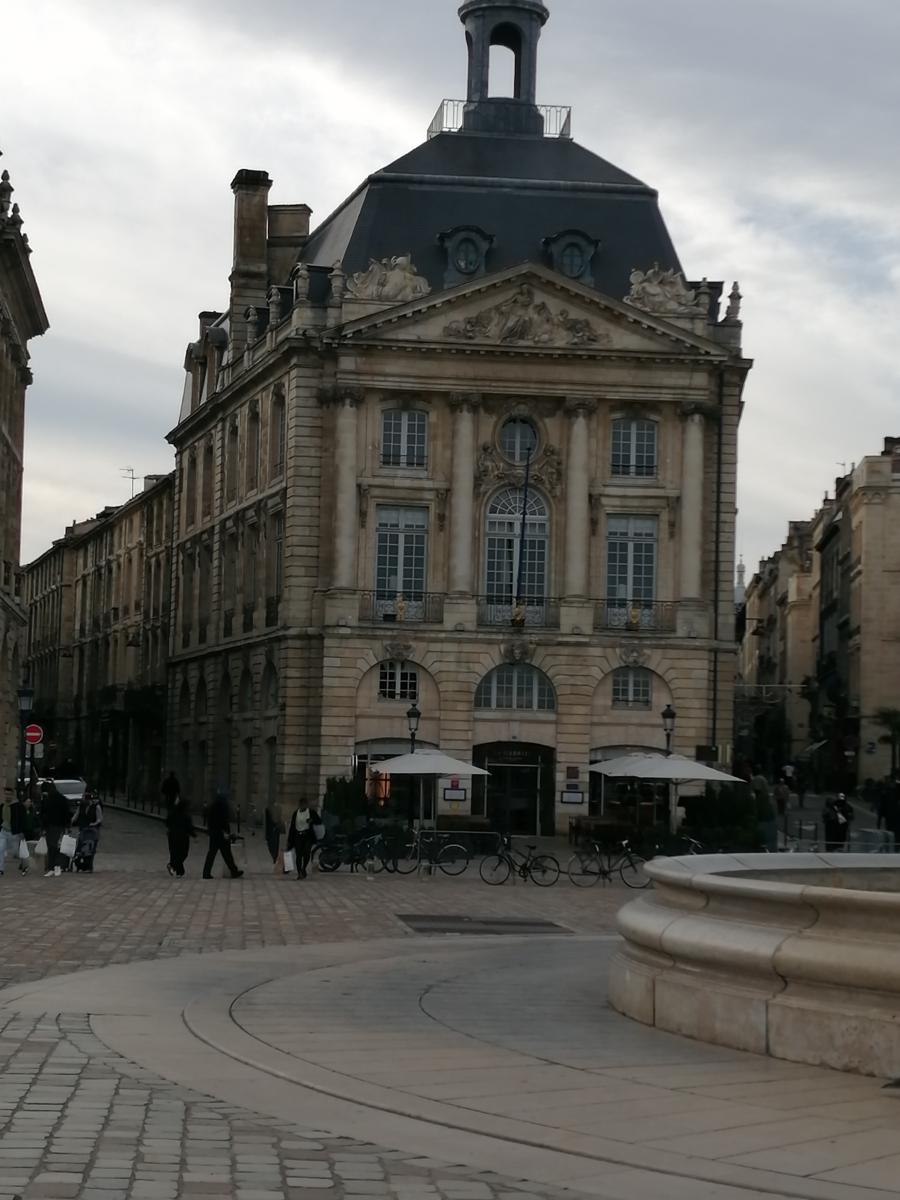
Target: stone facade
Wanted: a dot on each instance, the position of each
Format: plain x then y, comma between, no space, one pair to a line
839,593
291,497
98,642
22,318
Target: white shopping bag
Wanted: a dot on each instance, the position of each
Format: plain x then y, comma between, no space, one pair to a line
290,862
23,851
41,849
67,845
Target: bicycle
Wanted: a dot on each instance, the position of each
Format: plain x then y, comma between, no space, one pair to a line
434,851
542,869
369,850
587,867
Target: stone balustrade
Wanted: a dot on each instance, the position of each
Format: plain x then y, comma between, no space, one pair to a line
792,955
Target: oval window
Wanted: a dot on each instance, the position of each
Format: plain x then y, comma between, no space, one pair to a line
572,260
468,257
518,440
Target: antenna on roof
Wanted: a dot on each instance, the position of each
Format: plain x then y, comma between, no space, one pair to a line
128,473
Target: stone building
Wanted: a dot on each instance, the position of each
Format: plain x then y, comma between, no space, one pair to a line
471,442
98,603
835,581
777,661
22,318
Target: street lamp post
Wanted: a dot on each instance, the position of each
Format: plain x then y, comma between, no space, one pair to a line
668,719
413,717
26,700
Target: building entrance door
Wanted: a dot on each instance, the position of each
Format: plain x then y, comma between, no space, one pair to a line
513,797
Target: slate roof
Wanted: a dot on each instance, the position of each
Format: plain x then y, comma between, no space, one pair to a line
520,189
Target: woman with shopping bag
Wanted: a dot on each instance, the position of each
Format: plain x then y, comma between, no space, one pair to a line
55,821
23,829
304,831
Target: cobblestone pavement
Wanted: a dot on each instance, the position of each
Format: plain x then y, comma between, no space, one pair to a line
78,1121
130,909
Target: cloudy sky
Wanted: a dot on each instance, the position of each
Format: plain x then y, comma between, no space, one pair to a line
769,129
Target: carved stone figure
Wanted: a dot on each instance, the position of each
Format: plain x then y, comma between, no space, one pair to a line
400,652
662,292
521,320
633,656
488,469
733,312
338,281
549,473
301,282
393,279
519,650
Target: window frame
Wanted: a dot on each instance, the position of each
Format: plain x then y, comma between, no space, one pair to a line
515,680
631,677
517,458
633,461
392,673
411,450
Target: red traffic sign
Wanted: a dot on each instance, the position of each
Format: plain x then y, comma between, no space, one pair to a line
34,735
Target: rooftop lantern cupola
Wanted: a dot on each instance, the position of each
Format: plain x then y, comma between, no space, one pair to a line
515,25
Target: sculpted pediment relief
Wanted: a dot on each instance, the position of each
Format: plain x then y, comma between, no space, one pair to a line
524,313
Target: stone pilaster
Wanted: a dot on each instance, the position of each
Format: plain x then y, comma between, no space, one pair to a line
345,506
691,550
462,499
577,500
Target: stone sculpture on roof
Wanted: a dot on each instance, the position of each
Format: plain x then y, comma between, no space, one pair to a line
662,292
393,279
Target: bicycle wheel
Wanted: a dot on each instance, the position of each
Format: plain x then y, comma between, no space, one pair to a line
329,860
407,858
453,859
585,870
494,869
632,871
544,870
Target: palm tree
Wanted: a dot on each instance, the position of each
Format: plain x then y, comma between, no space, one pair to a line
889,719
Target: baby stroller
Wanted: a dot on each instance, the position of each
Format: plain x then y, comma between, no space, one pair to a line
83,859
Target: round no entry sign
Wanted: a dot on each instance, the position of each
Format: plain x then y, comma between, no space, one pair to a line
34,735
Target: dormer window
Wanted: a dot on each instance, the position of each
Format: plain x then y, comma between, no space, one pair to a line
571,254
466,248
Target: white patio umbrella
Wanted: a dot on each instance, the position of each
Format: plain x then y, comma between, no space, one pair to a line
673,768
426,763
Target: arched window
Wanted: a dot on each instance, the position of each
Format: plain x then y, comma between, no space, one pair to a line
506,62
510,560
632,687
518,440
270,688
398,681
404,438
516,686
634,448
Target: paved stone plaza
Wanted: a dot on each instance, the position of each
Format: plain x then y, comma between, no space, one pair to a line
320,1045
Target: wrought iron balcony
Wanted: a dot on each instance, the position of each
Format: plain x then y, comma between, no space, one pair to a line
636,616
537,612
557,118
390,608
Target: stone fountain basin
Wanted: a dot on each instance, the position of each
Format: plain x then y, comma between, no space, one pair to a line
792,955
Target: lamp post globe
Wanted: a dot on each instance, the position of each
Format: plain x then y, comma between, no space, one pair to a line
668,719
413,716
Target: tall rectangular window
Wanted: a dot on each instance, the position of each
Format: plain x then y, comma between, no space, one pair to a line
277,434
634,448
231,463
404,438
631,553
252,449
401,557
276,553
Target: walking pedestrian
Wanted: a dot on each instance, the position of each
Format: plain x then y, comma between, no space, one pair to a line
218,825
88,819
55,822
170,790
180,830
301,835
766,821
782,800
837,816
22,829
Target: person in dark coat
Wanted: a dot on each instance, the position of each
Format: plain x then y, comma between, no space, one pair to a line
23,825
170,790
301,836
218,825
55,821
837,817
273,834
180,830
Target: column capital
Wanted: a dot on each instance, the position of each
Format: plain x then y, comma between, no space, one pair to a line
698,408
465,401
580,406
340,395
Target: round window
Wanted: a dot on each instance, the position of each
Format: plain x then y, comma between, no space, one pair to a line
518,440
468,257
572,260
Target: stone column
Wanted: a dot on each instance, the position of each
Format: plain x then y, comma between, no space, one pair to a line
692,506
577,501
345,500
462,497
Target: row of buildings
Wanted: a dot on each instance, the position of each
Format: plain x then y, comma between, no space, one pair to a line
820,636
22,318
471,443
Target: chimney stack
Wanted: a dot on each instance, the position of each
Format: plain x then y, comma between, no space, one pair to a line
249,275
